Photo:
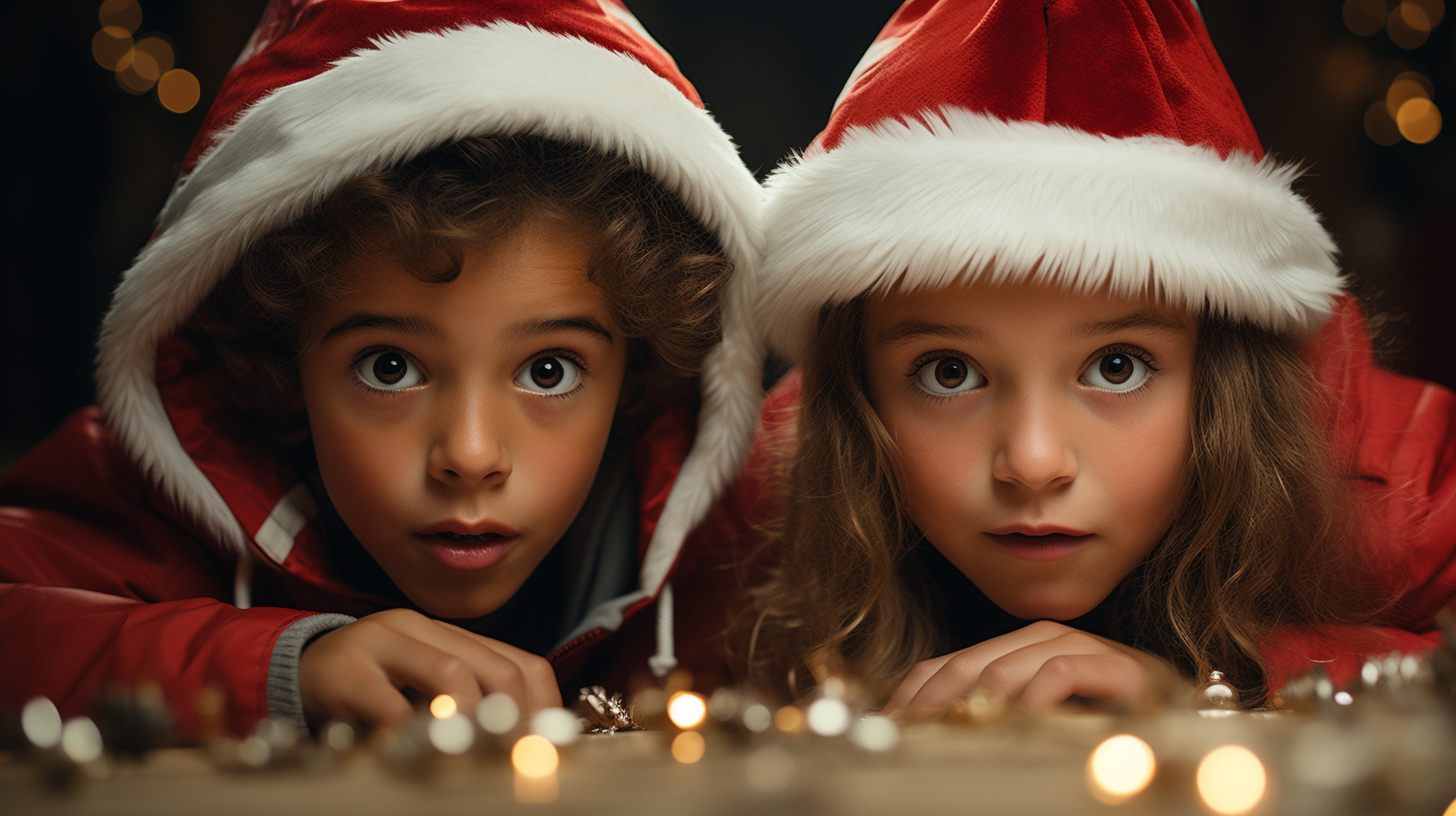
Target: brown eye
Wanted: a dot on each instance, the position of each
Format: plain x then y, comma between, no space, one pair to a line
389,371
551,375
1117,371
947,376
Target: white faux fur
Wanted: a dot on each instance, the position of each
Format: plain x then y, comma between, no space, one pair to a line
384,104
971,197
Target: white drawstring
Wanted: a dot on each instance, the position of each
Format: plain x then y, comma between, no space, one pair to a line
665,660
243,581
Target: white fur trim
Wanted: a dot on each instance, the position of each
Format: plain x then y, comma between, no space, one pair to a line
406,95
970,197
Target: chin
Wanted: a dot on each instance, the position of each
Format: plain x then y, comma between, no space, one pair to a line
1037,607
458,608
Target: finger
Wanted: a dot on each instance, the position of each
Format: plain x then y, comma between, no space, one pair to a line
361,691
996,666
1108,676
427,668
495,666
541,688
913,681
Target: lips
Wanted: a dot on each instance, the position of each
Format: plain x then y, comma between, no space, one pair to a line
468,546
1039,542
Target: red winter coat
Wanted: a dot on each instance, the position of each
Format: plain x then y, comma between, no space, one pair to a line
103,583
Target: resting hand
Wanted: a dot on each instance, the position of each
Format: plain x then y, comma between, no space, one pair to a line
1042,664
359,671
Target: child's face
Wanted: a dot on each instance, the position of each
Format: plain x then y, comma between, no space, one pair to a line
459,426
1044,435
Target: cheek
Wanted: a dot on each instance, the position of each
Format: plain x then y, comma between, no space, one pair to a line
934,459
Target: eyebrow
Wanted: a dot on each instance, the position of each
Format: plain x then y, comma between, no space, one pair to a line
912,329
1142,319
584,323
362,321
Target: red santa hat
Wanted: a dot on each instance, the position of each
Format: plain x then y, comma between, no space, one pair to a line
1083,143
327,90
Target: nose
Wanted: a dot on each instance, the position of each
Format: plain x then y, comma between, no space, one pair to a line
1034,450
469,445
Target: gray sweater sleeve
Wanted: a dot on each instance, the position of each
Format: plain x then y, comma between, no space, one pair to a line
285,700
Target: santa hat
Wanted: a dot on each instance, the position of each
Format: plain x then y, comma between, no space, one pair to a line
327,90
1081,143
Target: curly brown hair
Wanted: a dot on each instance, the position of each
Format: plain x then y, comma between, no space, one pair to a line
1266,534
659,269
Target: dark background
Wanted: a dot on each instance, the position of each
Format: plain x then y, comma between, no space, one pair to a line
89,165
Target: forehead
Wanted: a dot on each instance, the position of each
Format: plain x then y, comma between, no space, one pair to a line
1017,308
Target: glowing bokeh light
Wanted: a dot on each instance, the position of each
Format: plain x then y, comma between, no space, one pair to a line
1435,10
1231,779
1401,91
160,51
81,740
178,90
1380,126
109,45
137,72
497,713
688,747
451,735
125,14
757,718
41,722
557,725
1415,16
443,706
875,733
789,720
1419,120
828,717
533,755
1364,17
1401,32
1450,809
686,710
1120,768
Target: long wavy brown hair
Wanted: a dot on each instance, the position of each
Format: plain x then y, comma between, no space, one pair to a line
1265,536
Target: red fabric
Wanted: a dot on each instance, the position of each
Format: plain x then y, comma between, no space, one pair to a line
298,39
103,584
1027,60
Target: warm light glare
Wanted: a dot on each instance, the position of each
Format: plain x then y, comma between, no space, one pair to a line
1120,768
443,706
789,720
686,710
178,90
1451,809
533,755
1231,779
451,735
125,14
41,722
1401,32
828,717
1380,126
109,45
757,718
1364,17
160,51
1435,10
688,747
1419,120
1415,16
497,713
81,740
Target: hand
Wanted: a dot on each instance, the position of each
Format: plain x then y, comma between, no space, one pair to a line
358,671
1043,664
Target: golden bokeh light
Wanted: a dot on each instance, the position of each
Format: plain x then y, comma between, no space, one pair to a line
443,706
686,710
1380,125
137,72
688,747
533,755
1401,30
1120,768
178,90
1364,17
160,51
789,719
125,14
1405,88
1419,120
109,45
1451,809
1231,780
1435,10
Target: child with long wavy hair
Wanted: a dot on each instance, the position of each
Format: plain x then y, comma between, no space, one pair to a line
1073,416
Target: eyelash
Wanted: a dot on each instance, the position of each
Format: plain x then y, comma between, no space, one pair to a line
1116,348
574,358
362,354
